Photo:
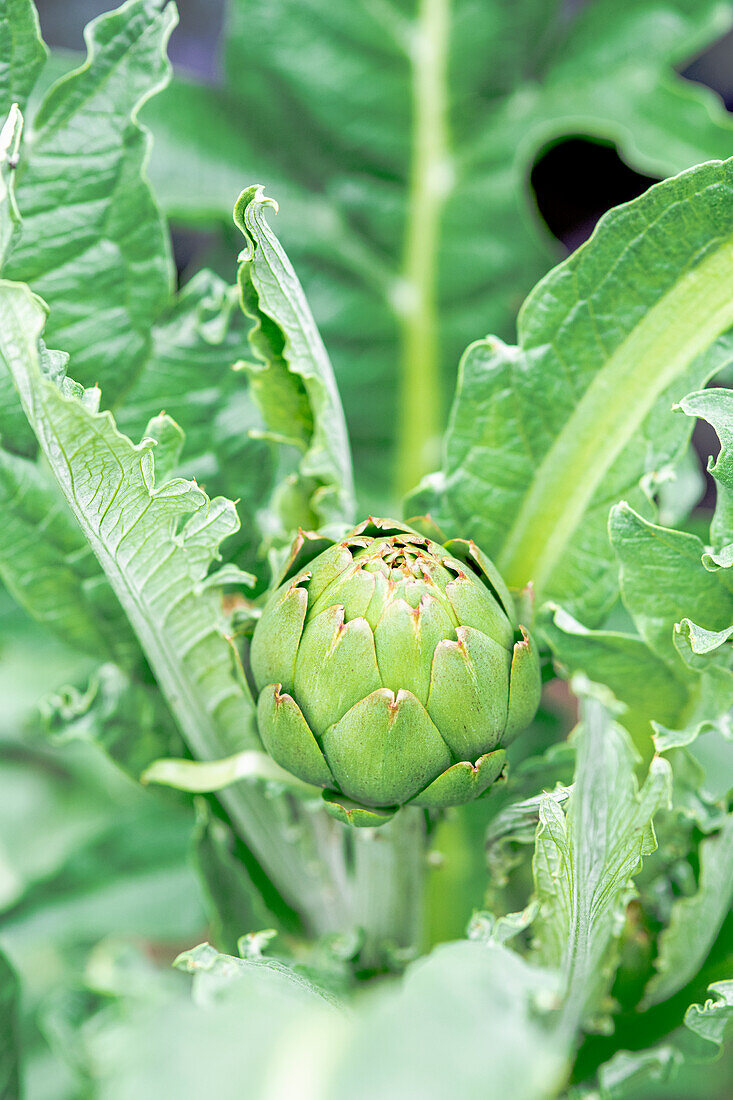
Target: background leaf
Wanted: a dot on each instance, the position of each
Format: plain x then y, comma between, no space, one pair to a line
22,51
94,243
399,139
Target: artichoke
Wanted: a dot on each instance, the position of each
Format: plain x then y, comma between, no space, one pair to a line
389,670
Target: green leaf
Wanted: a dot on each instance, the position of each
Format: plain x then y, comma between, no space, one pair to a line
94,244
628,1072
13,425
198,777
9,1032
211,969
665,1070
694,641
663,579
585,859
638,678
712,1020
156,545
406,134
695,920
607,342
293,382
673,673
716,406
390,1044
22,51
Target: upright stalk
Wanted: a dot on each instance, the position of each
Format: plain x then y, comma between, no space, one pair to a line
389,870
302,853
419,399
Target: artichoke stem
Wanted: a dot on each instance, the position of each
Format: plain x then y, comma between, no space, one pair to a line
299,851
389,870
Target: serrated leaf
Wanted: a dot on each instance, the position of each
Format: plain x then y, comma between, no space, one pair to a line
212,969
293,381
607,341
584,862
696,920
712,1020
400,139
156,545
94,243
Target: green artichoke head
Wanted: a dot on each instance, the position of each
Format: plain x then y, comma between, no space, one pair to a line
390,669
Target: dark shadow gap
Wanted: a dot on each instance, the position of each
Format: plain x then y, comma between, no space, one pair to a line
577,179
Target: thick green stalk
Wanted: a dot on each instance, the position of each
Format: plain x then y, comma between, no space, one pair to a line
389,870
419,400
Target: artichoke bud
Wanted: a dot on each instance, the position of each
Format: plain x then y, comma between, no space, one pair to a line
391,670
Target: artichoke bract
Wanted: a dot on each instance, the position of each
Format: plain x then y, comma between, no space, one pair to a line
390,669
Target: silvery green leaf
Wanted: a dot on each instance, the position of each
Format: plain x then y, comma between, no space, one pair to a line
212,969
392,1043
699,647
486,928
118,711
585,860
292,380
155,543
628,1071
607,342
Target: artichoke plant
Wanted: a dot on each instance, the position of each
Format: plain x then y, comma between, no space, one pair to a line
391,670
